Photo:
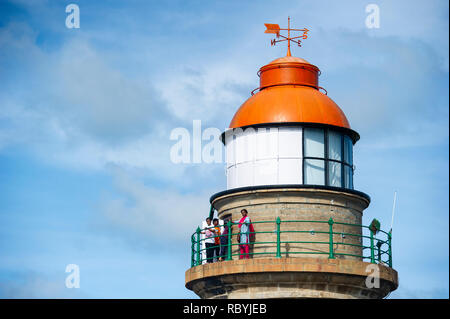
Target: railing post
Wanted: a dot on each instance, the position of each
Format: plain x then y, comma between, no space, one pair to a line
229,241
278,221
372,248
379,243
390,249
192,251
331,222
198,246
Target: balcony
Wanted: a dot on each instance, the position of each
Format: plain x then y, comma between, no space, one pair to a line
302,238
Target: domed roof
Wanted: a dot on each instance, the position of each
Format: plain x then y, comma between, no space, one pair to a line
289,59
289,93
289,103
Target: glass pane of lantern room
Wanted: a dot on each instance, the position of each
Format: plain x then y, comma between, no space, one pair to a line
348,174
244,174
314,143
348,150
229,149
334,174
266,143
239,148
231,177
289,142
265,172
334,145
314,172
289,171
250,146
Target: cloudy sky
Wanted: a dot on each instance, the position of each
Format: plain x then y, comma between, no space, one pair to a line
86,116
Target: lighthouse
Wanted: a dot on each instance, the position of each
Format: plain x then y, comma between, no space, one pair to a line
289,165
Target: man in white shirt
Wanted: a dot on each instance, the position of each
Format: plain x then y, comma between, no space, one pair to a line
209,240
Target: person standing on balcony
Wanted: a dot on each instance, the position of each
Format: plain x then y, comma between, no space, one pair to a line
224,241
216,238
246,229
209,240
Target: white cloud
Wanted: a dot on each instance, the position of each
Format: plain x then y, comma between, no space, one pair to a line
163,215
34,285
206,91
74,106
99,100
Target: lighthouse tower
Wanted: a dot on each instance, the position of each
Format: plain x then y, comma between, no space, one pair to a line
289,151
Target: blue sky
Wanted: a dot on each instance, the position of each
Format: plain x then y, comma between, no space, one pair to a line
86,116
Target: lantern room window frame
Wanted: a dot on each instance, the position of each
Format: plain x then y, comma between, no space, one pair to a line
348,139
346,180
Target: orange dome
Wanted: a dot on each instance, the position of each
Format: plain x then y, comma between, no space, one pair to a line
289,103
289,93
289,59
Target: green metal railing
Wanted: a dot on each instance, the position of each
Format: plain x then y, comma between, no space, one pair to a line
373,248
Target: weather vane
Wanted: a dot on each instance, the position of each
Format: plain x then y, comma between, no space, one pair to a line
275,28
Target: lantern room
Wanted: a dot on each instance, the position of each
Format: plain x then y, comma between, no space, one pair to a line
289,132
